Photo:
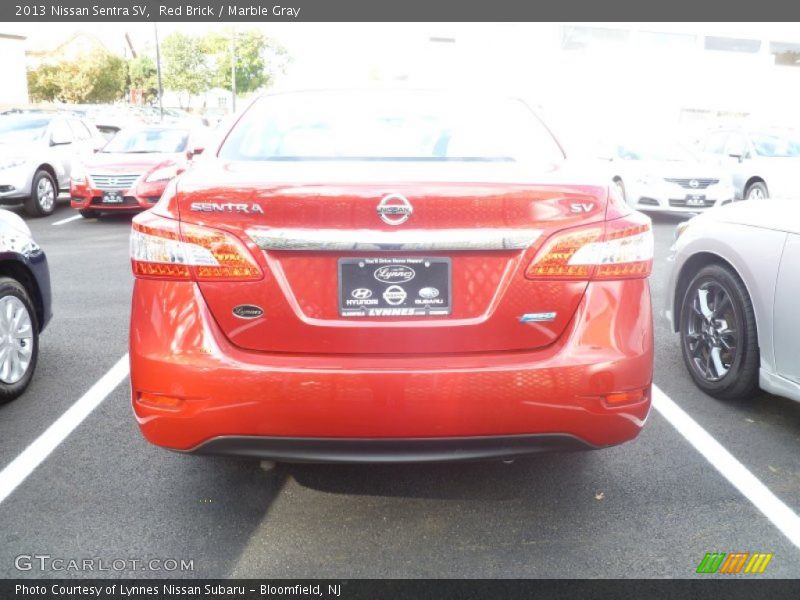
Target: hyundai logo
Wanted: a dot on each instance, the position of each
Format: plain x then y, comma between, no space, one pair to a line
361,293
394,209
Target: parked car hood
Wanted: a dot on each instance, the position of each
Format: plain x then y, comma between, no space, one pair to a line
112,162
767,213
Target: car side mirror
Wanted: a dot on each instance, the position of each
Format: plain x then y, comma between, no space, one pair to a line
190,154
57,140
739,157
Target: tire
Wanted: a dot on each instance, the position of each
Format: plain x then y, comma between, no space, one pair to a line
719,338
88,213
44,191
18,353
756,191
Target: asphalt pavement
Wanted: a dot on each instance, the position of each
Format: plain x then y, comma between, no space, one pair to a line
649,508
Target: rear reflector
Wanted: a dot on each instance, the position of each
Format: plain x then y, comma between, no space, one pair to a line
618,249
163,248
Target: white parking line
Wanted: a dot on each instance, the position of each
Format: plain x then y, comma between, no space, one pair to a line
67,220
783,517
23,465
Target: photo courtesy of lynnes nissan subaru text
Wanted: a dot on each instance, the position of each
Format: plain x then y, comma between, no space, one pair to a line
389,276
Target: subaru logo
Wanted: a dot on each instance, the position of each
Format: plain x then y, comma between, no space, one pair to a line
694,183
429,293
361,293
394,209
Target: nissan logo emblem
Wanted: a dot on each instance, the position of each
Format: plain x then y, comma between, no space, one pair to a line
394,209
694,183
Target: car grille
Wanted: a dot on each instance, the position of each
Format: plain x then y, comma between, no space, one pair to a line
687,183
681,203
113,182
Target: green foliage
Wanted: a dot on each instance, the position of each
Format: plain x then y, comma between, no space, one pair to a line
143,75
97,77
185,66
258,59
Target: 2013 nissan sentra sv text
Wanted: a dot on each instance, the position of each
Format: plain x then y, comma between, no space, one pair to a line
389,276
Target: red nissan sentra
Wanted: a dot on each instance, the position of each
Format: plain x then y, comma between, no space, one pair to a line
131,171
386,277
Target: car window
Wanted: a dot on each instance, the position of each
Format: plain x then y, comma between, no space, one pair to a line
59,130
148,140
389,127
79,129
715,144
776,144
737,145
22,129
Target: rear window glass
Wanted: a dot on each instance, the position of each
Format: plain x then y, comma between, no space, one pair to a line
389,127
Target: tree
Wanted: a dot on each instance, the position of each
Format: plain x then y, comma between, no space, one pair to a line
186,66
258,59
143,76
96,77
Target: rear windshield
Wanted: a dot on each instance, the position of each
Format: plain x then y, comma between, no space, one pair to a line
389,127
147,141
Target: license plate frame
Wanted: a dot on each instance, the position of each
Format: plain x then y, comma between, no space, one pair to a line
112,197
695,200
399,286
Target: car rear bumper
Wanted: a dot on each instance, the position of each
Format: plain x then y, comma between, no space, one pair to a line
393,450
194,391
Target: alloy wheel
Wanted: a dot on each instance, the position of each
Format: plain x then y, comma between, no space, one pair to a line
712,332
16,339
45,194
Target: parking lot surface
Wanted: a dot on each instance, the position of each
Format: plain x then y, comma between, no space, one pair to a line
650,508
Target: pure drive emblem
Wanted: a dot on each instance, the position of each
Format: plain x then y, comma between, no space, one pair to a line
248,311
361,293
394,295
394,209
394,274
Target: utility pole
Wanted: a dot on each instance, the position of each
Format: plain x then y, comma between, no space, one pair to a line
233,69
158,70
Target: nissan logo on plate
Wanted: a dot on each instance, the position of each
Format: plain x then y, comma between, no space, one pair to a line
394,274
394,209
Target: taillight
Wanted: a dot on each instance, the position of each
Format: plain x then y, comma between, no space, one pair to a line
166,249
618,249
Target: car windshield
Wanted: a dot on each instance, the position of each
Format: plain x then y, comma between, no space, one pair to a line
776,145
16,130
380,126
655,148
147,141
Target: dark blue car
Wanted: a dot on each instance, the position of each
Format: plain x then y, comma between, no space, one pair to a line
24,304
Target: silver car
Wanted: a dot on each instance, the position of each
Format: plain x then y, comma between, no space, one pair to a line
657,175
762,162
37,151
733,296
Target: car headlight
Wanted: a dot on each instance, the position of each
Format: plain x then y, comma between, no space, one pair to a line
682,226
163,174
10,163
78,173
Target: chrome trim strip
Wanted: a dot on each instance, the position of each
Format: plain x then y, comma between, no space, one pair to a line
427,240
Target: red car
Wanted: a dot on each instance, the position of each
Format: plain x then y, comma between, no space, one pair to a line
131,171
389,276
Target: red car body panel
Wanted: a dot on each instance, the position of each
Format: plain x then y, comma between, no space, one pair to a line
230,391
299,369
142,195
